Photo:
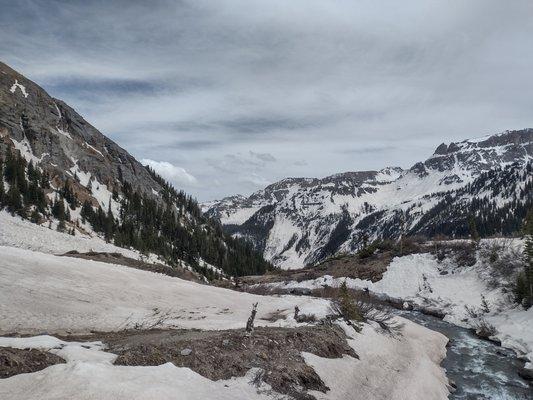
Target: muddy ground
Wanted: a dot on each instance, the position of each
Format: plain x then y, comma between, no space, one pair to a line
232,353
354,266
22,361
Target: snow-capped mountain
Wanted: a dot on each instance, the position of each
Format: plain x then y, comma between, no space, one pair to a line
300,221
59,171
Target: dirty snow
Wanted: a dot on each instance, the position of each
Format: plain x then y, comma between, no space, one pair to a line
89,374
42,292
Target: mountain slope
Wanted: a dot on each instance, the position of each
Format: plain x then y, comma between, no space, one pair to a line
58,170
300,221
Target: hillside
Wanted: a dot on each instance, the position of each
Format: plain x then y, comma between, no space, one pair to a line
301,221
59,171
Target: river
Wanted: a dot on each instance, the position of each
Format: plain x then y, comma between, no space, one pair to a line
481,370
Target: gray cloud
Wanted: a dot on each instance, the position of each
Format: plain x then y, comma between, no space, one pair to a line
314,87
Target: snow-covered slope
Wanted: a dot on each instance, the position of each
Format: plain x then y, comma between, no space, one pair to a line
80,296
83,295
300,221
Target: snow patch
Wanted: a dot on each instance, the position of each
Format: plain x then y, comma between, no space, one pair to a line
16,86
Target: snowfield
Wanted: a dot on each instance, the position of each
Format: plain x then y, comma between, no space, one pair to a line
47,293
89,374
16,232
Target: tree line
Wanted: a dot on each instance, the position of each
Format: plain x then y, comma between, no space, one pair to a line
171,226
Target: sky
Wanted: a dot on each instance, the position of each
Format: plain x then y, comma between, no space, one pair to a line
224,97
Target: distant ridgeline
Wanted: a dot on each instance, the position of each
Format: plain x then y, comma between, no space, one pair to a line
483,184
58,170
454,215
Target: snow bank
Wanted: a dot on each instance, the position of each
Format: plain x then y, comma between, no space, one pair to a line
89,374
388,368
42,292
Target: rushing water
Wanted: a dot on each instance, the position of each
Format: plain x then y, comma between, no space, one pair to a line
481,369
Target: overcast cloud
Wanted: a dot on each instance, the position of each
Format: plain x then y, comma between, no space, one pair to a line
224,97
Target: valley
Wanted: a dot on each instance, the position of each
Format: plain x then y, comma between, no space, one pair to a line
116,284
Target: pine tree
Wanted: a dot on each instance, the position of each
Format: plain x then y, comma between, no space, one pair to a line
13,199
525,280
472,227
35,217
61,227
2,187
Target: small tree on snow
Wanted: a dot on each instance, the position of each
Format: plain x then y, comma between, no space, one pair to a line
484,305
250,322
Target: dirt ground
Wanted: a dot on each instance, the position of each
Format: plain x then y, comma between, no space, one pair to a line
117,258
22,361
350,266
225,354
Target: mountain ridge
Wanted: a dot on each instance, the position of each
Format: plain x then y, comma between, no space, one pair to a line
298,222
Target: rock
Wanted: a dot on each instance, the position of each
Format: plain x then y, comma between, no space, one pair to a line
300,291
453,385
186,352
225,342
526,373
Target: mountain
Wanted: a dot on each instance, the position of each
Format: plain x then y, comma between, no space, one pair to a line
56,169
301,221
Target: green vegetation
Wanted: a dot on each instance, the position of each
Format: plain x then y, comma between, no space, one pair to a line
172,227
524,283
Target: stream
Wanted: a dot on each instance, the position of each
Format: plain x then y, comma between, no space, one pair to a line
481,370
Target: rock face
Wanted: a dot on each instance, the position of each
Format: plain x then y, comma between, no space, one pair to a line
300,221
52,135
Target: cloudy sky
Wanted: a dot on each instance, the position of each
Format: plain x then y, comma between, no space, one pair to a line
225,97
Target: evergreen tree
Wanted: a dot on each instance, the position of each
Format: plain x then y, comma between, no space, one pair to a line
524,285
2,187
13,200
472,227
35,217
61,226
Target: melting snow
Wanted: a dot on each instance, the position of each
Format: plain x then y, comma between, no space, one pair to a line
45,292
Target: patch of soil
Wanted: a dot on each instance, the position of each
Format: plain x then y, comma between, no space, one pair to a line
23,361
225,354
370,267
350,266
117,258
